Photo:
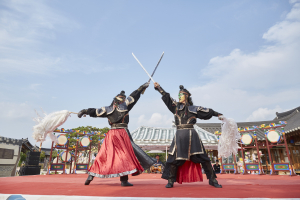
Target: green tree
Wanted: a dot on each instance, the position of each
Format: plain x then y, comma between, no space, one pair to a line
22,158
54,154
42,155
89,129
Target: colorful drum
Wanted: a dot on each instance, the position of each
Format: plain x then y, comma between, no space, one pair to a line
63,156
62,140
156,168
247,139
274,136
85,141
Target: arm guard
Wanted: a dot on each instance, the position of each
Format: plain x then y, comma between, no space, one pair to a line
160,90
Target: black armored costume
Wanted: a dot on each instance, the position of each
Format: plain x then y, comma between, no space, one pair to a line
119,156
186,144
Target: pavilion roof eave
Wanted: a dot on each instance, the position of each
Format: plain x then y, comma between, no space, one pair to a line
147,136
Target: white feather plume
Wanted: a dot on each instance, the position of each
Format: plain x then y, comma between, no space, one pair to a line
47,124
228,141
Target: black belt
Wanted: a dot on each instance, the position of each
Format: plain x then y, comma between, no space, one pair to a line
183,126
119,125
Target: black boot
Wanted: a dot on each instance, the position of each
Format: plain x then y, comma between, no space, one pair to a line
214,182
172,176
124,181
210,174
89,179
170,183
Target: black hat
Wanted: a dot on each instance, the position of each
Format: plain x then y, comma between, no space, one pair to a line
182,89
119,98
122,93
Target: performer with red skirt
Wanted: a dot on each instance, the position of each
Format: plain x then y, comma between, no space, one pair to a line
119,156
186,150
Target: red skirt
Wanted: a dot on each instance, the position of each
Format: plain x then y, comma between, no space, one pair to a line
116,157
189,172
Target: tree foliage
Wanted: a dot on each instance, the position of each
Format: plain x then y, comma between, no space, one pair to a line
89,129
42,155
54,153
22,158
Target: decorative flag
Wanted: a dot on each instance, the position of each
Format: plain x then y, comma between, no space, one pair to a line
262,126
272,125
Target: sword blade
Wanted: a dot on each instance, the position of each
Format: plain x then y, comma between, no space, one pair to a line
162,55
143,68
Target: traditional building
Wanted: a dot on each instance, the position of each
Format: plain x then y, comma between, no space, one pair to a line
153,138
10,150
278,153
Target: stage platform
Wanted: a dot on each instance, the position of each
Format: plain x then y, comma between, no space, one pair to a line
150,186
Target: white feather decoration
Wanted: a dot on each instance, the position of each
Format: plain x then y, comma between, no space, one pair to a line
46,125
228,141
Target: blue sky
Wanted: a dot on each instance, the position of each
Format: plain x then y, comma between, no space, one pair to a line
240,58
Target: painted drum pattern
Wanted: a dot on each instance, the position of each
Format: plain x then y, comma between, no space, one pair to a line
62,140
85,141
274,136
247,139
63,156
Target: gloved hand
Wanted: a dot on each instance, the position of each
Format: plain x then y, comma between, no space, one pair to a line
220,117
143,87
159,89
82,112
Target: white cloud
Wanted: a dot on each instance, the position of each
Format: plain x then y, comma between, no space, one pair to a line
243,82
24,26
156,120
34,86
14,111
264,113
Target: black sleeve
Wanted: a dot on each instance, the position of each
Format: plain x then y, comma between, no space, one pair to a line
135,95
170,102
96,112
207,114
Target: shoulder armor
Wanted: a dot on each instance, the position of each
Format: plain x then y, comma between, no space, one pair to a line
203,109
122,107
195,109
129,100
100,111
109,109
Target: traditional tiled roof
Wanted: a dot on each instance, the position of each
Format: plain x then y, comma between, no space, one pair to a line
212,127
292,118
24,142
286,113
13,141
154,136
293,123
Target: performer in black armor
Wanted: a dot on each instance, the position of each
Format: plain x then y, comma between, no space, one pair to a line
186,144
118,155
